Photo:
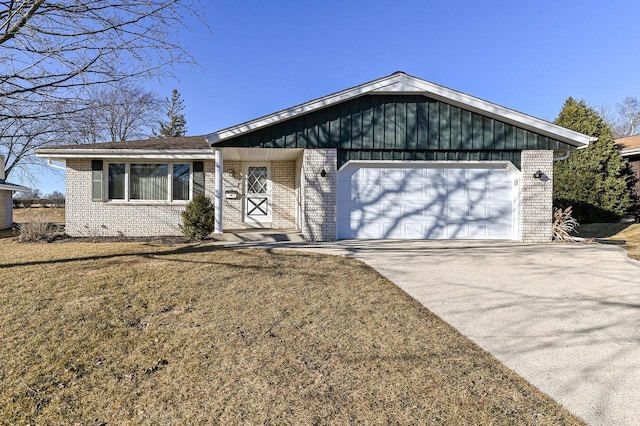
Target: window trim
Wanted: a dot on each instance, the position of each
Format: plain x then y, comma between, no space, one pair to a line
127,175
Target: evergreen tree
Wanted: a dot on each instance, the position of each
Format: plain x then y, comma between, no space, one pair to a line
198,219
595,180
176,126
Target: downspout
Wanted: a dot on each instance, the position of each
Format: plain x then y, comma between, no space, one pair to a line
55,166
218,192
565,156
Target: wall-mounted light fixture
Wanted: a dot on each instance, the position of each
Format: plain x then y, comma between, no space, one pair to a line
538,174
323,173
231,172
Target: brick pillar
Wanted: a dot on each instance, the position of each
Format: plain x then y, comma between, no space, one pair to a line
318,221
536,207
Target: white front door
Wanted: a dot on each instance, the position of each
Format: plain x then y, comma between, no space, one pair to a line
257,206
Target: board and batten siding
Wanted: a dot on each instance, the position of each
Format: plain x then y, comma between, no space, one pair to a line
400,127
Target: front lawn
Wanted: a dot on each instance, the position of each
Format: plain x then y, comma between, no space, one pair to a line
144,333
631,235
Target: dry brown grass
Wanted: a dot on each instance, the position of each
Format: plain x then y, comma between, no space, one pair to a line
48,214
631,235
141,334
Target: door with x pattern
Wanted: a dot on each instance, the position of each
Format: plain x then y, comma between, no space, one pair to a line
257,193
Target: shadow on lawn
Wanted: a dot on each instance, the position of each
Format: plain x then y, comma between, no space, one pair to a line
190,249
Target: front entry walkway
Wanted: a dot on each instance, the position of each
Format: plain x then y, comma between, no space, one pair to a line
566,317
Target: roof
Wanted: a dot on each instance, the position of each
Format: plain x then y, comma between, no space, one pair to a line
630,142
7,186
185,142
402,83
195,147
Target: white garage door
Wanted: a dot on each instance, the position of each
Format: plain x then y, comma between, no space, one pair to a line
421,201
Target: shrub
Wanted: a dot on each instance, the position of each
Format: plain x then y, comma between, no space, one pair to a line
198,219
37,229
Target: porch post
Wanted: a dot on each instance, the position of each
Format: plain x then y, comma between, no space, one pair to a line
218,192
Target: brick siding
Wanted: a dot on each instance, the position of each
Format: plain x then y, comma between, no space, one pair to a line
318,212
536,197
85,217
6,211
283,191
283,201
232,209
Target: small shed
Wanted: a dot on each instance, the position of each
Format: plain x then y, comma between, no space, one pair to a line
6,198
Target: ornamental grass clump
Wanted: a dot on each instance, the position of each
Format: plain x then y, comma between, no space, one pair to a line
38,228
198,219
564,225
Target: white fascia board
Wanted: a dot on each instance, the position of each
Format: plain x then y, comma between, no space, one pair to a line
62,154
13,187
404,83
288,113
630,152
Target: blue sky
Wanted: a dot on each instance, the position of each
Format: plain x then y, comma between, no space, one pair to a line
528,56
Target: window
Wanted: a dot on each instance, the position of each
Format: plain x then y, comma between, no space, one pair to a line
116,181
181,182
149,181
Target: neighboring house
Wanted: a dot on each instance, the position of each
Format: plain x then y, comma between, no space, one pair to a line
6,198
397,157
630,150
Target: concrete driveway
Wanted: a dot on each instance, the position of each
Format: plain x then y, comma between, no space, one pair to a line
566,317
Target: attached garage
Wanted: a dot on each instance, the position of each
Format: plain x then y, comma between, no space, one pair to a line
400,157
422,200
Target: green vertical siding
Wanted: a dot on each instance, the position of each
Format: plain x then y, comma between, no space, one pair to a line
399,127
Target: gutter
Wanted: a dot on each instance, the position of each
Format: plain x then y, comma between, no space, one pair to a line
629,152
567,152
55,166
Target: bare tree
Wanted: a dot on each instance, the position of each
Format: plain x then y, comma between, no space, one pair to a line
116,113
627,122
49,47
53,51
19,136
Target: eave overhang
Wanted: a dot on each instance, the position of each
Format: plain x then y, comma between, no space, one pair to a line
6,186
61,154
401,83
630,152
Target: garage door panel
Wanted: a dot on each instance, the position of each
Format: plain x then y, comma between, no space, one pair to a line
499,191
404,201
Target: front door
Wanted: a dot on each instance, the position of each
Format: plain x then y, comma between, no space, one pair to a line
257,194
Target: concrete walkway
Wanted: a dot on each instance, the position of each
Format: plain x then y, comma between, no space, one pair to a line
566,317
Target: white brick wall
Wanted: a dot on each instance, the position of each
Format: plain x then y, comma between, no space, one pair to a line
6,209
232,209
283,193
536,202
318,213
283,176
85,217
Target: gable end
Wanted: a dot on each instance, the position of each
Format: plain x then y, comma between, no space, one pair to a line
399,127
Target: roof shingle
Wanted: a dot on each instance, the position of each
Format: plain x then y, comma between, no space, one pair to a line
185,142
629,142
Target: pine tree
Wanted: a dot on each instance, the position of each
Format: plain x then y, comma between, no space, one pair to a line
595,180
176,126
